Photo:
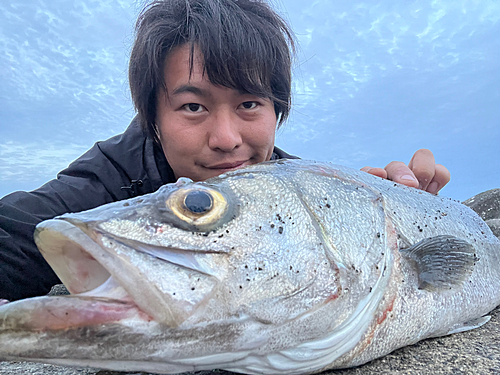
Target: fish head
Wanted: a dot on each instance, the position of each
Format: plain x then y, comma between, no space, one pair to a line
233,246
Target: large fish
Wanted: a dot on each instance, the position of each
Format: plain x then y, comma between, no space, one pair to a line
284,267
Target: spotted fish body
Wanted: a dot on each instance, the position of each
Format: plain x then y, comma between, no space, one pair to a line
285,267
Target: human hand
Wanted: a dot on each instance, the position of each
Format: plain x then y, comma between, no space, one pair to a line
422,172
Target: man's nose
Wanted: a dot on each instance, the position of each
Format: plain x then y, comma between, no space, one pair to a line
224,132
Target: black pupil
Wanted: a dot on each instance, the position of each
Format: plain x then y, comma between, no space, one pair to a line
194,107
198,202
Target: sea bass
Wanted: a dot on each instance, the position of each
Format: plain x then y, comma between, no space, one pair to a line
285,267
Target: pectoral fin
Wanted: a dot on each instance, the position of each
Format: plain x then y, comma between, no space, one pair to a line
442,262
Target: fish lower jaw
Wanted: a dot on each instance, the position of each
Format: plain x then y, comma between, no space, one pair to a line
54,313
107,304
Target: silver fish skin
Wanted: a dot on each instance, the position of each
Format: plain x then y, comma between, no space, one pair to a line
286,267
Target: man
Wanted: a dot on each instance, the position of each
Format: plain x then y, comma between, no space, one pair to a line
211,82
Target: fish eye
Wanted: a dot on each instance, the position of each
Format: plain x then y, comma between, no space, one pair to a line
198,206
198,201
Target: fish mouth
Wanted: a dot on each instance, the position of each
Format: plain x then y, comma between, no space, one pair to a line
105,273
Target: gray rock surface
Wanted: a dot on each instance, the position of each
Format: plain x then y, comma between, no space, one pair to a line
472,352
487,205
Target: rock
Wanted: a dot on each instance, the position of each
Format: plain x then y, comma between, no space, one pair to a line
494,224
58,290
487,205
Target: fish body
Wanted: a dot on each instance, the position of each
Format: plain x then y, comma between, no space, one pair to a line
285,267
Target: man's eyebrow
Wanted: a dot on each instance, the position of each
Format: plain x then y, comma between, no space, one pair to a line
204,93
190,89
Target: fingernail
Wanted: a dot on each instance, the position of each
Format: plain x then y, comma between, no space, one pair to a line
433,187
407,177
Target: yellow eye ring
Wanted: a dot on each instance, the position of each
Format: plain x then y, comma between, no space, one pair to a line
199,206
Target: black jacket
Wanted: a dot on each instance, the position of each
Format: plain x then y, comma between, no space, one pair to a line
121,167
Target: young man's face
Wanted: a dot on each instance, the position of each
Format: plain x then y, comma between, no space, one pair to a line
206,130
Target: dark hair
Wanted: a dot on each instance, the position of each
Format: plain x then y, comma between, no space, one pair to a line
244,43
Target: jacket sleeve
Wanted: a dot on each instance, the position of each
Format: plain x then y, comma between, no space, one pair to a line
96,178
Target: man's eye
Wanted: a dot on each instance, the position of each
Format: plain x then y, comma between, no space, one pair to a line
249,105
193,107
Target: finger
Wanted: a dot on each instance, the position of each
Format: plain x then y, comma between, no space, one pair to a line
441,178
379,172
398,171
423,166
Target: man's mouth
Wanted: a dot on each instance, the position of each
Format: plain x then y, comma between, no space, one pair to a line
230,165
